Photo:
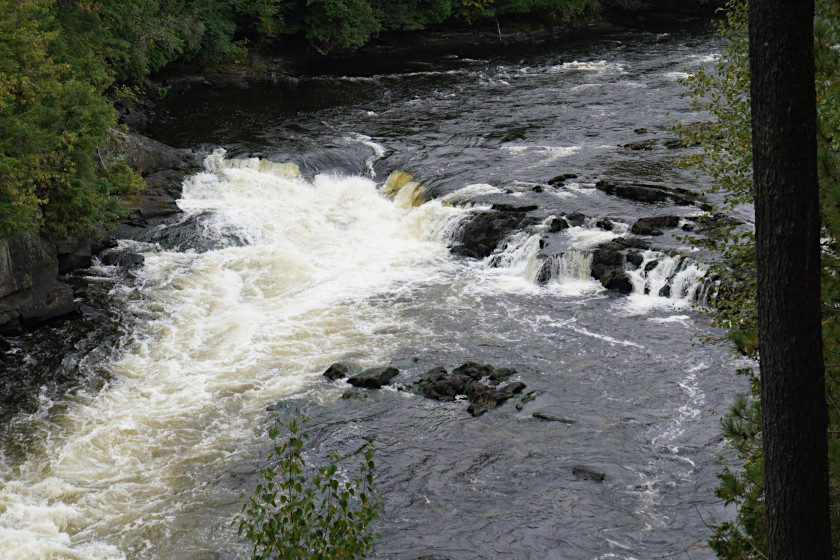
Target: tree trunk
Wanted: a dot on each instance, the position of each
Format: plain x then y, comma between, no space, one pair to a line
794,411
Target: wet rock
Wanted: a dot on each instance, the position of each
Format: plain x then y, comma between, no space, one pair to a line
649,193
673,143
374,378
437,384
123,259
665,291
78,253
606,255
483,398
651,265
642,145
336,371
538,189
605,224
560,179
587,473
576,219
552,418
4,345
480,236
474,370
465,380
501,374
514,208
556,224
635,258
640,130
652,225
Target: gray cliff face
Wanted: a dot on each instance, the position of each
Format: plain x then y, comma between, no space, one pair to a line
30,292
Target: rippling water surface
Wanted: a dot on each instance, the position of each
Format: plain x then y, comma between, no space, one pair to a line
131,433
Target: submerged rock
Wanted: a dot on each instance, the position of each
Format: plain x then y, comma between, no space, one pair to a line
560,179
587,473
552,418
374,378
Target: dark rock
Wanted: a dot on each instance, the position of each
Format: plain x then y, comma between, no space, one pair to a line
538,189
74,254
651,225
642,145
640,130
513,208
556,224
123,259
607,256
617,282
560,179
587,473
480,236
474,370
673,143
501,374
605,224
4,345
665,291
651,265
336,371
29,289
439,385
648,193
552,418
576,219
687,227
635,258
142,154
374,378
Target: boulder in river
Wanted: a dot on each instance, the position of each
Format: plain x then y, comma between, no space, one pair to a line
480,236
466,380
374,378
653,225
336,371
643,192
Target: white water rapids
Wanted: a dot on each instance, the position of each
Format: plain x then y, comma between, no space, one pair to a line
224,334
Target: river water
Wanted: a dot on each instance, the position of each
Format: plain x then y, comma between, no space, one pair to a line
130,433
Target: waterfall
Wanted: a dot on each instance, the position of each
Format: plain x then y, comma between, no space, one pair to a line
674,277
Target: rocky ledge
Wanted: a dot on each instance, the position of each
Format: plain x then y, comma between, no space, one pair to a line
31,292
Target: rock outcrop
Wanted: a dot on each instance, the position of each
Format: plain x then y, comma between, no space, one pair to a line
30,292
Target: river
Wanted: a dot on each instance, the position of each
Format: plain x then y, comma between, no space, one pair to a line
131,432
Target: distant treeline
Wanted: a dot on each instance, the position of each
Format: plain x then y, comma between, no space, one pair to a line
64,63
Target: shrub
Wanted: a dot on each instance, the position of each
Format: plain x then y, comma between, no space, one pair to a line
294,515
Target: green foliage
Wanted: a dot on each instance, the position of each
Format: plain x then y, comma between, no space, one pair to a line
725,154
51,121
294,515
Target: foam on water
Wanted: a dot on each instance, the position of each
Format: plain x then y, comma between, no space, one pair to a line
224,333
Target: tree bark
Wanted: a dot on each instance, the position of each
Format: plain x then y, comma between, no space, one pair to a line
794,411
